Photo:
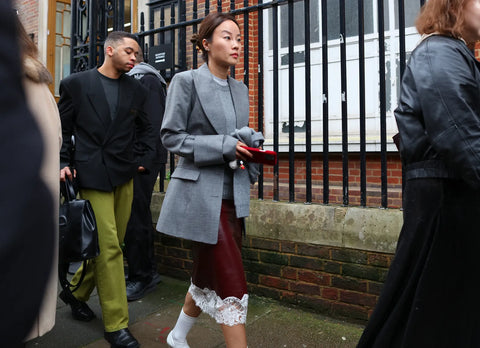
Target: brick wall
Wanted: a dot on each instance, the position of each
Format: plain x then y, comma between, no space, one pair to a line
339,282
373,175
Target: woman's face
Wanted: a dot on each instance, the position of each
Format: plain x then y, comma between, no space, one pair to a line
471,30
224,48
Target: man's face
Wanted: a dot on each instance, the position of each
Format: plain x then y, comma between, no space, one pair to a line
124,55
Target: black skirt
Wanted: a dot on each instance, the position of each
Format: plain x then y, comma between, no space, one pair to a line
431,297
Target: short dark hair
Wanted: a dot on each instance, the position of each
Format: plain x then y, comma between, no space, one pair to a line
208,26
115,37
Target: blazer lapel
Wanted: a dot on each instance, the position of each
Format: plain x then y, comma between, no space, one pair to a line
206,89
97,98
240,102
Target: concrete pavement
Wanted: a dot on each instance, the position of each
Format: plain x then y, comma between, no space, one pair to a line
269,325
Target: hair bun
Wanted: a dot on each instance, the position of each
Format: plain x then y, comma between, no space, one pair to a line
194,39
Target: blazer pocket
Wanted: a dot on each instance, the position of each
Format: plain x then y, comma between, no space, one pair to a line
186,174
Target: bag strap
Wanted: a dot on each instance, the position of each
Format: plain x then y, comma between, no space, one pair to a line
64,282
69,191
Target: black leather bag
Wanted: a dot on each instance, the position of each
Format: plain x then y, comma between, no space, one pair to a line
78,228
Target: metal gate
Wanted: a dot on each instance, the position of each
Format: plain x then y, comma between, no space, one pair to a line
90,22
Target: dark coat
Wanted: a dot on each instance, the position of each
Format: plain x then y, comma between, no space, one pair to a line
104,149
27,230
154,106
430,297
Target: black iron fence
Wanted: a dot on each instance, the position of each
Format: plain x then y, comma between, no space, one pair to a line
322,21
313,66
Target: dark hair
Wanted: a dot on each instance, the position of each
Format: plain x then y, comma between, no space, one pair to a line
443,16
116,37
207,27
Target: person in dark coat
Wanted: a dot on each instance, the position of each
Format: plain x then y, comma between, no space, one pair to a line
431,294
27,213
103,109
139,238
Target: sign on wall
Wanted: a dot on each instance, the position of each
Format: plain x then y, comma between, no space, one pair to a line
161,56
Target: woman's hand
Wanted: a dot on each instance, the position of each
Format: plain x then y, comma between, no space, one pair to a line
242,153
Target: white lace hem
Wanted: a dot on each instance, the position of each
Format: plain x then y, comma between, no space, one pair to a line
229,311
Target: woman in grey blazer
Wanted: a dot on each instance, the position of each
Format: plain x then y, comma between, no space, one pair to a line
206,124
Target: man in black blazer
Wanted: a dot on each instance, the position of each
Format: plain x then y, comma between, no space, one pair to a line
113,140
26,214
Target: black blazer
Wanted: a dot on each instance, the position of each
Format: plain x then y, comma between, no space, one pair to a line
107,153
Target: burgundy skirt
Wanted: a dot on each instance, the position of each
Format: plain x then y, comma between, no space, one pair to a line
219,286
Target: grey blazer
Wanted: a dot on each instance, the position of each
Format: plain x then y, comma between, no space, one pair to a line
194,128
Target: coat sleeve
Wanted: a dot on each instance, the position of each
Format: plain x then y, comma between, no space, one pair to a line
154,106
67,117
447,83
204,150
145,136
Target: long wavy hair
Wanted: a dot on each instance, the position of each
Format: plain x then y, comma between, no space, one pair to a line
446,17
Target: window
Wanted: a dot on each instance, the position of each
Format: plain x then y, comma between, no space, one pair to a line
351,18
63,23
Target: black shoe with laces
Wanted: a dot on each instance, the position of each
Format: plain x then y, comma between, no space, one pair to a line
80,310
138,289
121,339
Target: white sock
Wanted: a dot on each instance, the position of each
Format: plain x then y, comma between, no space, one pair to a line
183,326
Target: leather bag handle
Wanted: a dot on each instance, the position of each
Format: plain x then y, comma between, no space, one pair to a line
69,189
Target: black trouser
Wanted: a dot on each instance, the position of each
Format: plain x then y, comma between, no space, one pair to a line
139,238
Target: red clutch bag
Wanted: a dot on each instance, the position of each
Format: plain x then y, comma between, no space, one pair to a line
262,156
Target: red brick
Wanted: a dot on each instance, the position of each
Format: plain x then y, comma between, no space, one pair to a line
273,282
304,288
314,277
358,298
289,273
330,293
380,260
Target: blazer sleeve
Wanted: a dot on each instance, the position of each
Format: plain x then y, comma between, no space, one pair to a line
67,117
202,149
449,97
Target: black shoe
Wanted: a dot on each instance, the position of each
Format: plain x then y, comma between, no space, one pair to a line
156,278
138,289
80,310
121,339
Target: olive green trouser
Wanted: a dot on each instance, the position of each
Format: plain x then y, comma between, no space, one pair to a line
112,212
